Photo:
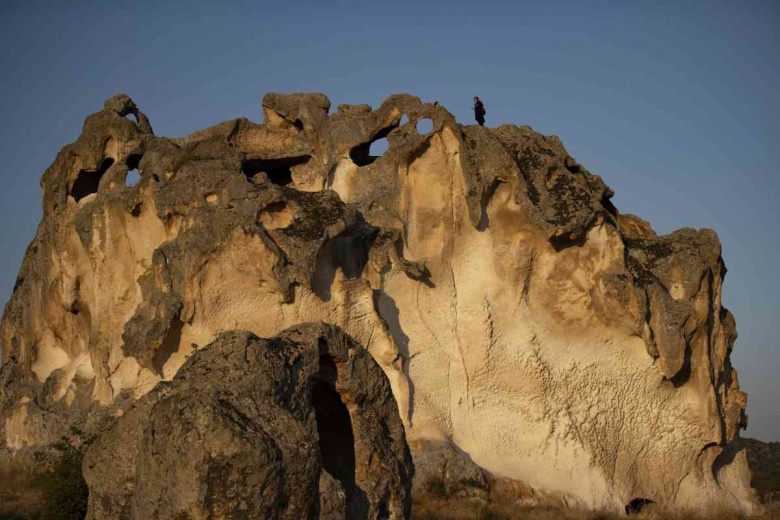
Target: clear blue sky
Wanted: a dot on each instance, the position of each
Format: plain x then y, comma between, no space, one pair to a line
674,104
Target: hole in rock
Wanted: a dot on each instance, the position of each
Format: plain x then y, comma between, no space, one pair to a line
88,181
298,124
334,427
366,153
360,156
424,126
132,117
132,178
636,505
278,171
404,120
133,161
378,147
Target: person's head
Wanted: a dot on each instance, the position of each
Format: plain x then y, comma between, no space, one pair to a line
476,99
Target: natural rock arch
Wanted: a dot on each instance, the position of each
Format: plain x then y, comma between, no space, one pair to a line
237,434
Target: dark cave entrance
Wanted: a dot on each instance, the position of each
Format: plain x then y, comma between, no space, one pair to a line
278,171
334,426
133,162
88,181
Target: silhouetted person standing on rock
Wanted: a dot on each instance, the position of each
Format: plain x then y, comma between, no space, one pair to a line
479,111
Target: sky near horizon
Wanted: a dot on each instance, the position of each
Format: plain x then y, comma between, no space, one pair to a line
674,104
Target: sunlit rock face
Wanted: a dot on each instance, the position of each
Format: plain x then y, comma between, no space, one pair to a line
517,315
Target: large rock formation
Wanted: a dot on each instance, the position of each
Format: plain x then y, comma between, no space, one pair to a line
519,317
236,435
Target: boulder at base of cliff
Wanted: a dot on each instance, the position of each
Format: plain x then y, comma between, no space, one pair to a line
290,427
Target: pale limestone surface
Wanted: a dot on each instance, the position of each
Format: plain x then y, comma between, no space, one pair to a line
517,315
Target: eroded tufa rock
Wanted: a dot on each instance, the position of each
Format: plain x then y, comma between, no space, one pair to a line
520,319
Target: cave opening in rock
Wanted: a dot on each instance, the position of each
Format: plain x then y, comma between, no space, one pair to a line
378,147
334,427
133,161
88,181
424,126
366,153
278,171
132,178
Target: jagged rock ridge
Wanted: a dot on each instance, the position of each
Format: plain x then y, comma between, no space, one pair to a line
519,317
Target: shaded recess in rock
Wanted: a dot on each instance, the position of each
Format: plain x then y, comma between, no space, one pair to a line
88,181
361,154
334,428
277,171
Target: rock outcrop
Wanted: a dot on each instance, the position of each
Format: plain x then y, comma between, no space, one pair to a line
295,426
519,317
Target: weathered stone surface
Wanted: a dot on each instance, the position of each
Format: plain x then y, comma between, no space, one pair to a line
440,465
517,314
303,425
634,227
